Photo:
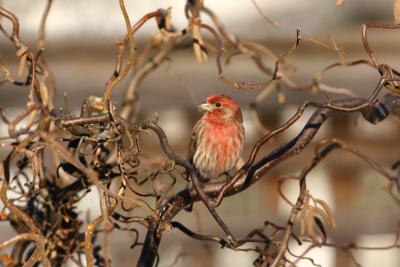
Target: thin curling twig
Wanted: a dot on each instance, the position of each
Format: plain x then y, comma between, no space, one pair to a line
141,72
51,90
42,32
264,15
367,48
120,44
15,30
132,54
35,234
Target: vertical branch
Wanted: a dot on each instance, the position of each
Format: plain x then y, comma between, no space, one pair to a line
51,86
132,54
150,246
43,20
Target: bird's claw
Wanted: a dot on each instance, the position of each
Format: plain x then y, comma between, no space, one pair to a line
212,203
228,176
232,242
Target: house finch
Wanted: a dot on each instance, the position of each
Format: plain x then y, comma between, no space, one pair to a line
218,137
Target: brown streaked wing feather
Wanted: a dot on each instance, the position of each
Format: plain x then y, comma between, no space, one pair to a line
192,147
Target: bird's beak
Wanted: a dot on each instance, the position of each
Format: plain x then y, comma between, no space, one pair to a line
205,107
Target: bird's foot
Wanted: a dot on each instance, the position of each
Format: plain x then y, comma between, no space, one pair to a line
212,203
227,176
233,243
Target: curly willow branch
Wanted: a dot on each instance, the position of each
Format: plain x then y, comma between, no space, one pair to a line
132,54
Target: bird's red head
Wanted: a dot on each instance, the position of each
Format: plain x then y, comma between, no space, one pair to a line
221,109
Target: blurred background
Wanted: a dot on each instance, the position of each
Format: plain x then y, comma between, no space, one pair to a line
80,49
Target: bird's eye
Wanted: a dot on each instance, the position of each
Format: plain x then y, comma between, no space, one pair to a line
217,104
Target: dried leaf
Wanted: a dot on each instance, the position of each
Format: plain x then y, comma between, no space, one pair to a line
3,214
310,222
314,217
302,220
339,2
396,11
322,214
303,214
302,226
36,165
197,4
6,260
281,98
331,218
22,51
22,65
44,92
321,227
22,54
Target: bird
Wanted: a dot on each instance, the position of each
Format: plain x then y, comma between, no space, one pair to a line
218,137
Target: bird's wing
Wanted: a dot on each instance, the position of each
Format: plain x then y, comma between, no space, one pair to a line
192,147
193,141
